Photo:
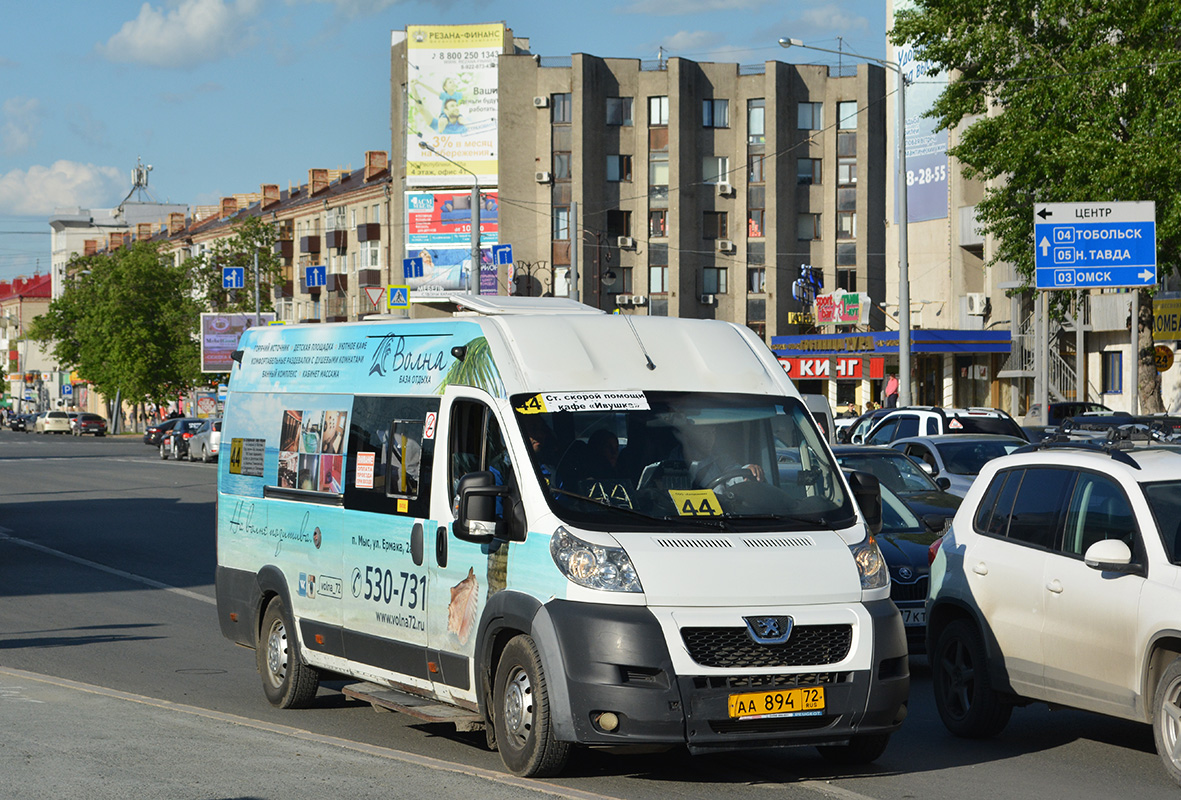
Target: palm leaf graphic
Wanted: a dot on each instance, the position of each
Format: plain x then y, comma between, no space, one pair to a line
477,370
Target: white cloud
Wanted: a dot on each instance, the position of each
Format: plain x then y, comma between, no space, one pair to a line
38,191
191,33
664,8
833,19
354,8
686,42
21,118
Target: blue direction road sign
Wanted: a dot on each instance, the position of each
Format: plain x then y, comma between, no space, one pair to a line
411,268
502,255
233,277
1094,245
316,276
398,296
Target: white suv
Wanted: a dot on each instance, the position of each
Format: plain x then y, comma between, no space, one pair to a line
1060,581
933,421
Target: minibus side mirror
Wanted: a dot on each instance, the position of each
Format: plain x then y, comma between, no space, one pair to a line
868,494
477,520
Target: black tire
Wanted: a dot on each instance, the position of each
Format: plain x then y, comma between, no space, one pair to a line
163,452
204,454
967,702
859,750
286,680
192,457
1166,719
524,729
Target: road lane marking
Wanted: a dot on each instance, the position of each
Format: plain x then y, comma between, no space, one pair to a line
540,787
6,536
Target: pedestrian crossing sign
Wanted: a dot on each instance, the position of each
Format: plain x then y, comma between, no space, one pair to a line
398,297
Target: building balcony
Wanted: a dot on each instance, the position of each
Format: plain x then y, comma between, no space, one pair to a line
337,282
282,289
285,249
369,277
337,240
309,244
369,232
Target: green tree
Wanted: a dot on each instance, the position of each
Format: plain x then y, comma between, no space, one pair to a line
250,235
127,323
1062,101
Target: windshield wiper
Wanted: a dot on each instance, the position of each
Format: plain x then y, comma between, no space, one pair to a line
711,522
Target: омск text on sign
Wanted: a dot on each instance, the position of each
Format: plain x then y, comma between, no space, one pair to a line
1094,245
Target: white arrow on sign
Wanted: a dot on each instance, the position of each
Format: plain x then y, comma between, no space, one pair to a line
1044,244
1145,276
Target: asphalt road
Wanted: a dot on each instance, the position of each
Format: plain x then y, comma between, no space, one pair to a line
115,682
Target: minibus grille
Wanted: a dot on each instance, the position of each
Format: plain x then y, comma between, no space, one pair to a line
732,648
790,681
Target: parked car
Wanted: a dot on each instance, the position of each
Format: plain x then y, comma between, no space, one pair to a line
1059,582
905,541
932,421
926,497
1056,412
855,431
175,443
19,422
958,457
90,423
156,432
206,442
52,422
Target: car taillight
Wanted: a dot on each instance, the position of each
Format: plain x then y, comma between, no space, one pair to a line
186,435
932,550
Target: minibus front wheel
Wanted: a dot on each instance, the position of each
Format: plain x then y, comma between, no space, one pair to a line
286,680
524,727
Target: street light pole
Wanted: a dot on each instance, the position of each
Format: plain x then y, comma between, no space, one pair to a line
904,388
473,276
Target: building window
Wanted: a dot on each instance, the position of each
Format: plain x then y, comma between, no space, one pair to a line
713,280
847,279
1113,373
808,227
756,280
560,109
810,117
714,225
658,222
846,171
619,168
657,279
807,171
370,254
846,254
715,113
846,224
846,145
847,115
756,121
658,177
561,167
756,204
619,223
715,169
658,110
561,222
755,167
847,198
619,111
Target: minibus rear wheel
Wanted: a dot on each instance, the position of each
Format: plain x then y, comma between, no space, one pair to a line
286,680
524,728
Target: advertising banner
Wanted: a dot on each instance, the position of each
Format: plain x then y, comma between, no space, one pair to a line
219,338
445,269
926,148
444,219
842,308
451,103
839,368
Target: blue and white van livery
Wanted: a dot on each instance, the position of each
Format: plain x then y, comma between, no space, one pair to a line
569,526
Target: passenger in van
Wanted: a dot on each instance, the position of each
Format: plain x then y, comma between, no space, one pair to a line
603,454
708,464
541,442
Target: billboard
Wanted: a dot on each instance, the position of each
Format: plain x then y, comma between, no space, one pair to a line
926,148
451,103
219,338
445,269
444,219
842,308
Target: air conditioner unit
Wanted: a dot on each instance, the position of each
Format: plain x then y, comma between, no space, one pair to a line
725,246
709,299
543,177
623,299
625,241
976,303
639,299
541,102
725,189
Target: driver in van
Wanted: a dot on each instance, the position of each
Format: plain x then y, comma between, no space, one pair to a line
709,466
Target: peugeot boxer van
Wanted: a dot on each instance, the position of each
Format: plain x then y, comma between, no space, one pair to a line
566,527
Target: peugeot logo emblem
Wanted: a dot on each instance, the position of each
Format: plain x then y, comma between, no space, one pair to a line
769,630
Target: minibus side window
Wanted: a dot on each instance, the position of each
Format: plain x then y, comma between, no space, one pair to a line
389,462
477,444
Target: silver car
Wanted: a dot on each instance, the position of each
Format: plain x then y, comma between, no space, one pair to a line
206,442
957,456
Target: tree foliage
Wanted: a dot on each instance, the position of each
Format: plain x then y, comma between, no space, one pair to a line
251,236
1061,101
127,323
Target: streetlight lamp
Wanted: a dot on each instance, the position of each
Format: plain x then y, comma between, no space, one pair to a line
902,221
473,276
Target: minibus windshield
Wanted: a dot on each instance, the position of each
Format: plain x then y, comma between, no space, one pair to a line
685,461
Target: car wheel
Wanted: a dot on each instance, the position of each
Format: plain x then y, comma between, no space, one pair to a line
205,454
286,680
524,729
1166,719
192,457
964,696
859,750
163,452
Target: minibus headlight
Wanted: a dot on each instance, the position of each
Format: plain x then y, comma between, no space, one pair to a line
594,566
871,565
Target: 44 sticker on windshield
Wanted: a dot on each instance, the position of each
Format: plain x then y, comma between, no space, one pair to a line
628,400
695,502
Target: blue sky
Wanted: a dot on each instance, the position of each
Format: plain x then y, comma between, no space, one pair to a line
220,96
